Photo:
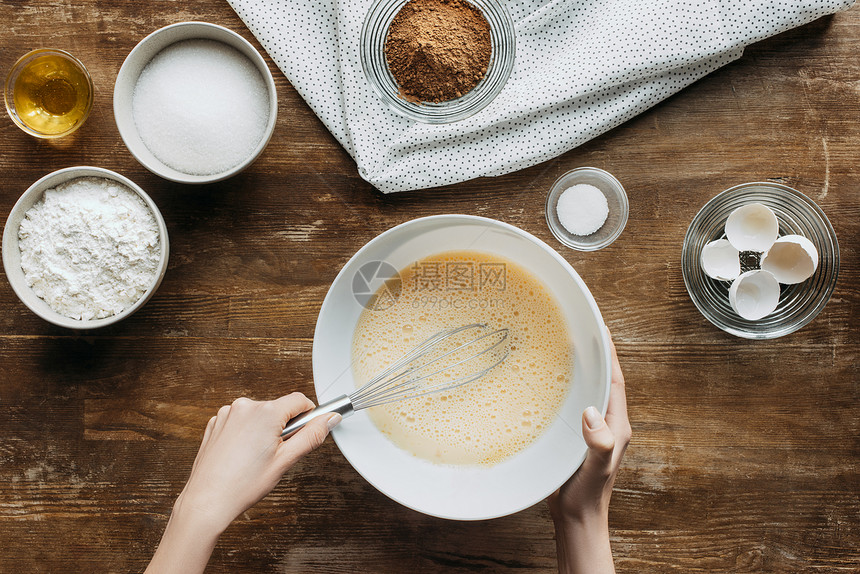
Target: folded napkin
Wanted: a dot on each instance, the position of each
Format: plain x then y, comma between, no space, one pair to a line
582,68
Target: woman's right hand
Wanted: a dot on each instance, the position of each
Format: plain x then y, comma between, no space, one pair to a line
241,459
242,456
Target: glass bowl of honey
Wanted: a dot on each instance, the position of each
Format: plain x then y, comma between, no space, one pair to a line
48,93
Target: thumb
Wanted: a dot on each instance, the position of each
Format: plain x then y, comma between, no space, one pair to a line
600,440
307,439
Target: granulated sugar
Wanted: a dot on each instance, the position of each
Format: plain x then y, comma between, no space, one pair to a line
201,107
582,209
90,248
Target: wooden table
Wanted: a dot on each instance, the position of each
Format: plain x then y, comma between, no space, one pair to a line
744,456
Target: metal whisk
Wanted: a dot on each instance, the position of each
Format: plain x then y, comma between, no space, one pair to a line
423,370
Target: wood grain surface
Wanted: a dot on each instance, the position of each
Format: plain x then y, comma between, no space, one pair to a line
744,456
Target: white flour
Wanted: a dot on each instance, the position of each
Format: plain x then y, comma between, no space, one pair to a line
89,248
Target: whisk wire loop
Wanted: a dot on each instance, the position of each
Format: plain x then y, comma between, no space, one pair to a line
407,359
430,389
408,376
396,388
413,354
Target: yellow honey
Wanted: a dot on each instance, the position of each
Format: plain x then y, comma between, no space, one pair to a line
49,93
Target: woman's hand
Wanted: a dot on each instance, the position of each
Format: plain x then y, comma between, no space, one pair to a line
240,460
242,456
580,508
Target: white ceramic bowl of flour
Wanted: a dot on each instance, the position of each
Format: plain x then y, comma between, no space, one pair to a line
451,491
12,251
187,140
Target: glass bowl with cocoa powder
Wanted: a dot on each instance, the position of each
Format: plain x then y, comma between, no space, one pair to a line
437,61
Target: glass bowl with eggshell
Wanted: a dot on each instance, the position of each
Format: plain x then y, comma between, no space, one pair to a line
798,303
465,492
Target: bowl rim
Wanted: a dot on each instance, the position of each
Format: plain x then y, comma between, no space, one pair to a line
317,358
124,87
555,225
15,274
14,71
796,195
450,111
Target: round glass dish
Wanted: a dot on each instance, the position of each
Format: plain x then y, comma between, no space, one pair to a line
51,77
373,62
615,196
798,304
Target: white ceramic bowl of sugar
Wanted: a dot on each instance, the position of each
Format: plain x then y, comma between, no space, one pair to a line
465,492
176,164
12,251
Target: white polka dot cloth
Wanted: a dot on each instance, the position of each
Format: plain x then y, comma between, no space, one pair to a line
582,68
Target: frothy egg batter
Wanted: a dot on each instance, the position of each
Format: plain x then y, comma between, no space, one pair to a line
488,420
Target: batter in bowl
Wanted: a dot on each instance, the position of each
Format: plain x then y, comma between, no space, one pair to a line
498,415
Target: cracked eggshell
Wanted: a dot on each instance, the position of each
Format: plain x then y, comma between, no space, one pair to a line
752,227
720,260
754,294
792,259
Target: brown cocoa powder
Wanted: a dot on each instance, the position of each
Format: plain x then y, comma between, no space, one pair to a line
437,50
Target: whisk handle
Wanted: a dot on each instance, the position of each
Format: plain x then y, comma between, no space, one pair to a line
341,405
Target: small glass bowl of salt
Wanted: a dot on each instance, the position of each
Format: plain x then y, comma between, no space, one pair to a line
586,209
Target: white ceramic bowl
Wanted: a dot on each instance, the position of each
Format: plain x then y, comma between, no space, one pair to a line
137,60
465,492
12,253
